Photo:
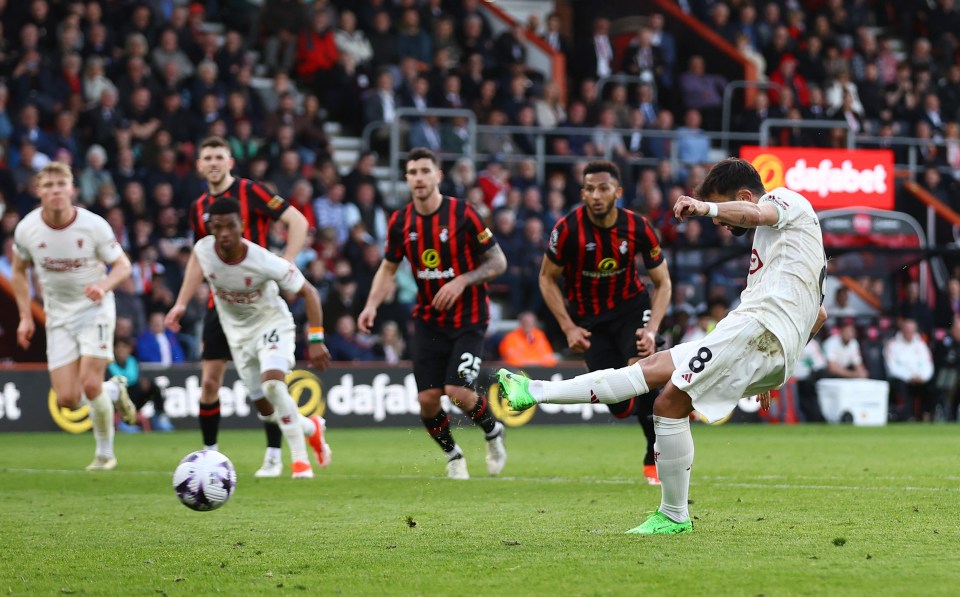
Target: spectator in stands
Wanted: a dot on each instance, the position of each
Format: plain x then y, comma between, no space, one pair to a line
527,344
913,308
280,23
693,146
344,343
703,91
842,351
317,54
142,389
364,209
656,146
555,38
412,40
947,366
425,132
597,62
909,371
948,305
390,346
158,344
332,213
812,366
351,40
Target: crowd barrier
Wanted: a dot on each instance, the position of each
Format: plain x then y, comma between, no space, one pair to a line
346,395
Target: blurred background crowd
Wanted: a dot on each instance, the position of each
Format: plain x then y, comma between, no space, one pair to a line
124,90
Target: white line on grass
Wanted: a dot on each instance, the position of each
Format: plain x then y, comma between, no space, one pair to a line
708,482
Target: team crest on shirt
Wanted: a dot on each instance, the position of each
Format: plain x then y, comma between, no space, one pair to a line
275,202
213,276
248,281
42,245
444,234
623,248
79,243
755,262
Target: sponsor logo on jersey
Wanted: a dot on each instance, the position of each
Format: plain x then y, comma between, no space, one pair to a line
436,274
275,202
430,258
486,235
65,264
607,264
239,297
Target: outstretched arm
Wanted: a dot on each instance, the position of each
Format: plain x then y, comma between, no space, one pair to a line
744,214
493,263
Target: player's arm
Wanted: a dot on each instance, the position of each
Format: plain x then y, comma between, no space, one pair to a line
383,282
662,292
744,214
296,224
192,279
492,263
550,272
317,351
21,292
119,271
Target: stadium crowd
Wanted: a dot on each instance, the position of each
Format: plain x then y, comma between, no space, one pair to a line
124,91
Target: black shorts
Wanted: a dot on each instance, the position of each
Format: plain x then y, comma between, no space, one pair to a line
215,346
446,357
614,342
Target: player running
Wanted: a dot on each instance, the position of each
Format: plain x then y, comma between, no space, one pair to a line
454,256
258,325
70,247
258,208
751,351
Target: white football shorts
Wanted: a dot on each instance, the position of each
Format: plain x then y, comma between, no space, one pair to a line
738,358
88,335
272,348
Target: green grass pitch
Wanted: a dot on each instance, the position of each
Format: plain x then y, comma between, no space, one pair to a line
804,510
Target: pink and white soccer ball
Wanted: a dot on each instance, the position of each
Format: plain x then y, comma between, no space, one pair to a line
204,480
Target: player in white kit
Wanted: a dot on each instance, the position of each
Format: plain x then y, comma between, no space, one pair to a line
751,351
69,247
246,280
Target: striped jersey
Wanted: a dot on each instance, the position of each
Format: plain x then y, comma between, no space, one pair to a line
599,264
258,209
441,246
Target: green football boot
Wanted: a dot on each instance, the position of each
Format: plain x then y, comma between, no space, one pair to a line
514,386
658,524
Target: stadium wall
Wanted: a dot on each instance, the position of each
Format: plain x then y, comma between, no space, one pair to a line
347,396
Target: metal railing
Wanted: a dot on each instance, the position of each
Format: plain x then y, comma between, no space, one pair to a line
728,98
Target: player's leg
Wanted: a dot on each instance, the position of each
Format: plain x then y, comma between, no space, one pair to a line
626,335
674,449
607,386
270,427
431,352
213,363
275,358
463,367
90,379
605,350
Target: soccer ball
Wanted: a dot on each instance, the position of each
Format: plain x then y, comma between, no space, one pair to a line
204,480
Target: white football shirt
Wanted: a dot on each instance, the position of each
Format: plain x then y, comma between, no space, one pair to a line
67,259
246,292
787,273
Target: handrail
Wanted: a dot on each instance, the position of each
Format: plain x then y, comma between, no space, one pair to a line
558,62
862,291
942,209
728,97
39,316
749,68
400,113
785,123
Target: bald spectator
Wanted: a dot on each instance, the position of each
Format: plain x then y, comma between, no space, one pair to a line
527,345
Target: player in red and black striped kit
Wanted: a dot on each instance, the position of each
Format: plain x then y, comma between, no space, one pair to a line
453,255
611,318
258,209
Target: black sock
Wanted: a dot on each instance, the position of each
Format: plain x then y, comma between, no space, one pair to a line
645,417
622,410
482,416
210,422
439,429
274,435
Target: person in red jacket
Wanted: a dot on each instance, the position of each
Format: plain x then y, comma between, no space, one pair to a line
786,75
317,53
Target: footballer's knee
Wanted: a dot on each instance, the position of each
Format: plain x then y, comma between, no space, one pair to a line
429,402
463,397
264,407
672,403
92,387
69,398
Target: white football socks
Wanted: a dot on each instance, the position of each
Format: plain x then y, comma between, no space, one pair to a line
305,422
608,386
674,448
274,454
287,417
101,415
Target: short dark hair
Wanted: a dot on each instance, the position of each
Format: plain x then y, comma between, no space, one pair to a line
598,166
419,153
729,176
214,141
224,206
